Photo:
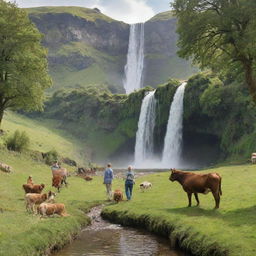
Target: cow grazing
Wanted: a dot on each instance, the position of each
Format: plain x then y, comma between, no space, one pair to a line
118,195
28,188
47,209
30,180
57,181
145,185
33,199
61,172
194,183
88,178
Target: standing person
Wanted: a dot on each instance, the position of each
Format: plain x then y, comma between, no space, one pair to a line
129,182
108,177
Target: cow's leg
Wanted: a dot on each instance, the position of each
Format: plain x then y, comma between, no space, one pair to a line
217,199
197,199
189,199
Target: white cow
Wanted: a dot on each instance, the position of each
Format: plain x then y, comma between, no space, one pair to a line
253,158
145,185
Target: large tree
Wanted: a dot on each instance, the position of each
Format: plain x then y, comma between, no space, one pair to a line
23,64
219,34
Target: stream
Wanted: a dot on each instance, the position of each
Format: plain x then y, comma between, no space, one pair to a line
102,238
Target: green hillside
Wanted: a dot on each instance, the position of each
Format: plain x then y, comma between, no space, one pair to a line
87,47
45,135
84,13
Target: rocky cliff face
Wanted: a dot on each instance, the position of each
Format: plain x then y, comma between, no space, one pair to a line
87,47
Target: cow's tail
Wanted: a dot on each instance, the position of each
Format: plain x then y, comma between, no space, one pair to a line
220,191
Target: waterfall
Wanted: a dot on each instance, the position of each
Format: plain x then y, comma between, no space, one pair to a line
144,146
135,59
173,139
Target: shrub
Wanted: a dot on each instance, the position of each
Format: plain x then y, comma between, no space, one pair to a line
19,141
51,156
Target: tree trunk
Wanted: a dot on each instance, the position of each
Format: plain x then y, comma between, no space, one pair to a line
1,116
250,79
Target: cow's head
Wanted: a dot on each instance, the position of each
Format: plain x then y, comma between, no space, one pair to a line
173,174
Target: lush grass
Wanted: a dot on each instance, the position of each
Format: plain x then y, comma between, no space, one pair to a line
24,234
45,135
163,16
229,230
85,13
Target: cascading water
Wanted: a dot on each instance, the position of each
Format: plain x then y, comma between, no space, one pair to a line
144,146
173,139
135,59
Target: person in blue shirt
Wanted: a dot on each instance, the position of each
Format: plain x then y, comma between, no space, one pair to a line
129,182
108,177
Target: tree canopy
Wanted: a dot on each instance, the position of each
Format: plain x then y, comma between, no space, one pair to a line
219,34
23,64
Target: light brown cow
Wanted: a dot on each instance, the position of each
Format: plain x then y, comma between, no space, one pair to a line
47,209
33,199
194,183
30,180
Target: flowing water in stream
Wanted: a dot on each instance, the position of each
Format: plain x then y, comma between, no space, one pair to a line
105,239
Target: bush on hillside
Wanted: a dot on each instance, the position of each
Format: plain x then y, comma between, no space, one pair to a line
50,156
19,141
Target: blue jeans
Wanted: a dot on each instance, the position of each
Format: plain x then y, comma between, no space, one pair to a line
128,189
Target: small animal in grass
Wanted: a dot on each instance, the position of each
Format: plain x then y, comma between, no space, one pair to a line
33,199
194,183
48,209
118,195
30,180
145,185
88,178
35,188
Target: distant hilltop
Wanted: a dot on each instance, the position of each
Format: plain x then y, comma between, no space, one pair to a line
86,47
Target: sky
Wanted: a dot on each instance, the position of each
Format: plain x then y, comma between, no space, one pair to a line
129,11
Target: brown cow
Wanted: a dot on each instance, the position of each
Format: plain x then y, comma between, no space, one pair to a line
194,183
47,209
61,172
118,195
36,188
57,181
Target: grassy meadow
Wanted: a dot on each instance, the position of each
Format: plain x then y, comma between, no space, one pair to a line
227,231
45,135
231,230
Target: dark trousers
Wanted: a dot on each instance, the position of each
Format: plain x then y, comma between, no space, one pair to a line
128,190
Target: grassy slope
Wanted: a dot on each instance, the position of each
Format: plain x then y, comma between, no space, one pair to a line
232,226
201,228
85,13
163,16
45,136
24,234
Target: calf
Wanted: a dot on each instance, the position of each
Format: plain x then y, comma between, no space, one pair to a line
47,209
88,178
145,185
29,188
30,180
33,199
118,195
194,183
